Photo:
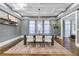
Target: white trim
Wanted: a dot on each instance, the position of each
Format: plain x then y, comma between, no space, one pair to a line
61,28
74,5
69,10
75,12
76,27
9,41
69,14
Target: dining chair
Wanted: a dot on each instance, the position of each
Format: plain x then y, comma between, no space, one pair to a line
52,40
43,39
25,40
34,38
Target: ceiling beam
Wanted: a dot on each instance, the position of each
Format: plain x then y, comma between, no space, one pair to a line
12,9
65,9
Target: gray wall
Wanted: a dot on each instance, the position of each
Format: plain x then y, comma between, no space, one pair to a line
57,32
52,29
24,27
8,32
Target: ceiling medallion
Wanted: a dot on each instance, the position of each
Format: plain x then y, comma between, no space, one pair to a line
39,9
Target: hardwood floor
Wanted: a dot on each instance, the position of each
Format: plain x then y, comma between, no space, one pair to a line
38,50
69,44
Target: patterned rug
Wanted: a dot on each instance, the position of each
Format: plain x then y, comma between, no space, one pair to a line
38,49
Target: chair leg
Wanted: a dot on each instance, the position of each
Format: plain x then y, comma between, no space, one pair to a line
43,42
52,42
34,38
25,40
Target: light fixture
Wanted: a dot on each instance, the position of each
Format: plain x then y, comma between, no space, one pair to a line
39,9
39,14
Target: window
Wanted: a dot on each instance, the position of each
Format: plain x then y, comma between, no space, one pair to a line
31,27
39,27
46,27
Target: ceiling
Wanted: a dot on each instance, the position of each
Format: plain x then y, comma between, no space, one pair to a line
38,9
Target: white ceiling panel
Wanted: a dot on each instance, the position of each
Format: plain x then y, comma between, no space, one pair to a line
39,9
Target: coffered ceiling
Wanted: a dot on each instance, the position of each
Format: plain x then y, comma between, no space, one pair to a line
38,9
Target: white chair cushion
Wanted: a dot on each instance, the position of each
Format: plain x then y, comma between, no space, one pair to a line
38,38
29,38
48,38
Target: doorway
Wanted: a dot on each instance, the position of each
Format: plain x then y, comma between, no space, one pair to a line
67,28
